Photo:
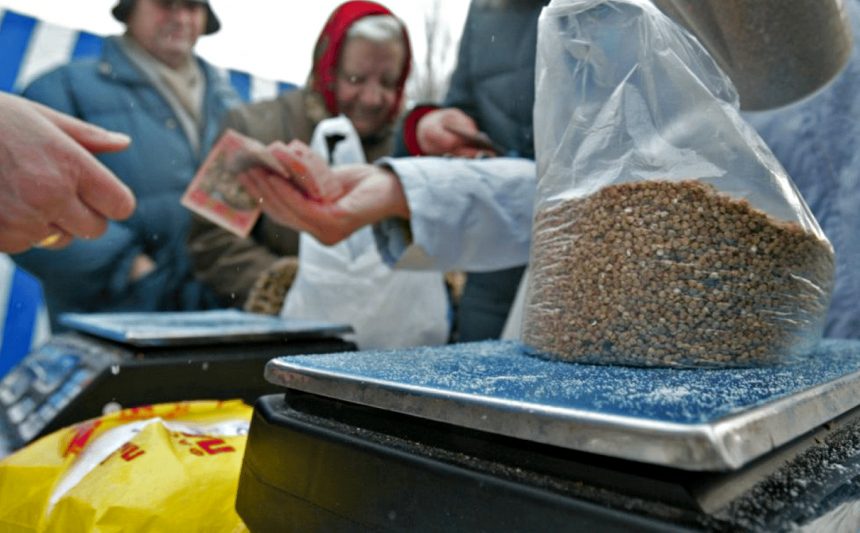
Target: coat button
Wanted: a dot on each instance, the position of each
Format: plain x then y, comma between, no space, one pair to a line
105,68
170,124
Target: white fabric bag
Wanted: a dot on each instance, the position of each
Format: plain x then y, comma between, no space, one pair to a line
349,282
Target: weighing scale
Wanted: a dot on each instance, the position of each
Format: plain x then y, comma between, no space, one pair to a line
113,360
486,437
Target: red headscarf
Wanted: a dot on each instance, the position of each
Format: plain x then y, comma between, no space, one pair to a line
330,43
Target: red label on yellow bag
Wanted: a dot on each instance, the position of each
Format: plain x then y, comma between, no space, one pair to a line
168,467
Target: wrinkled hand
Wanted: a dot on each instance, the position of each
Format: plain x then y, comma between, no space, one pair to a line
306,169
355,196
296,163
52,189
435,135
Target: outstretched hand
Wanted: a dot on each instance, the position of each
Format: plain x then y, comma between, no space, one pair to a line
306,170
349,197
52,189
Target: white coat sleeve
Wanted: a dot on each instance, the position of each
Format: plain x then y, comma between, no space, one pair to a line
466,214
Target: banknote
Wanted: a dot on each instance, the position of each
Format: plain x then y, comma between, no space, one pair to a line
216,194
308,171
477,139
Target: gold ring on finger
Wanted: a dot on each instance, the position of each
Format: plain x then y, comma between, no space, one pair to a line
50,240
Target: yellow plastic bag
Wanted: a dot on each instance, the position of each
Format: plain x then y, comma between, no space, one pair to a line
169,467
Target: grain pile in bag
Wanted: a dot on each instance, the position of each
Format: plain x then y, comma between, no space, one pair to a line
665,232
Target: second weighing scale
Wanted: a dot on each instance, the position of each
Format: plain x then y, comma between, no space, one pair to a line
113,360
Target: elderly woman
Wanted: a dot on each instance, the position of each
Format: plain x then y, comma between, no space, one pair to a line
360,64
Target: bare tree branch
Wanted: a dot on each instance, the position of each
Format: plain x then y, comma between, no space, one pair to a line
429,81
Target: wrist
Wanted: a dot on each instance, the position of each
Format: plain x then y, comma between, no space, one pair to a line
410,128
396,204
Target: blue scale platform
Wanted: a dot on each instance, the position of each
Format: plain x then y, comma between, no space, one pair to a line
197,327
714,419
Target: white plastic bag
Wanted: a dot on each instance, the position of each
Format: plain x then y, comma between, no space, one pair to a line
666,232
349,282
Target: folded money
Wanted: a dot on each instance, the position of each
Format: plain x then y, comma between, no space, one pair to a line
216,193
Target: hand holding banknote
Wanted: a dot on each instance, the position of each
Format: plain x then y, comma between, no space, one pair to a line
217,192
353,196
241,178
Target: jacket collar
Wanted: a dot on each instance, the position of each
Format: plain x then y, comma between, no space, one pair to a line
115,64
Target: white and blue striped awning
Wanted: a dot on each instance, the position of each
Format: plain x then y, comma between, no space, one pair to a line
29,47
24,320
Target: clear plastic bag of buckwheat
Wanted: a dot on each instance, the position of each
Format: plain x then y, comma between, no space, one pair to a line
666,233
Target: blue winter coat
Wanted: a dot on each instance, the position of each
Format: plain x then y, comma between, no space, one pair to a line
91,276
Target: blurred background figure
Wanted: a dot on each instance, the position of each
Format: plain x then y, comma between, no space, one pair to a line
360,64
491,90
817,140
149,85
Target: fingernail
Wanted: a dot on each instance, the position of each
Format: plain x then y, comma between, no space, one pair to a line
118,137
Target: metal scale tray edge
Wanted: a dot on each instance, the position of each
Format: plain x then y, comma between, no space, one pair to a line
719,442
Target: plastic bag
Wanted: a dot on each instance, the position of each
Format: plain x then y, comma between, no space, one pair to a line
665,232
168,467
349,282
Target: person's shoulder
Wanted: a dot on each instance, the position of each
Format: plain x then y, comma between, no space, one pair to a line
51,78
212,72
278,118
218,82
64,78
284,103
73,68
